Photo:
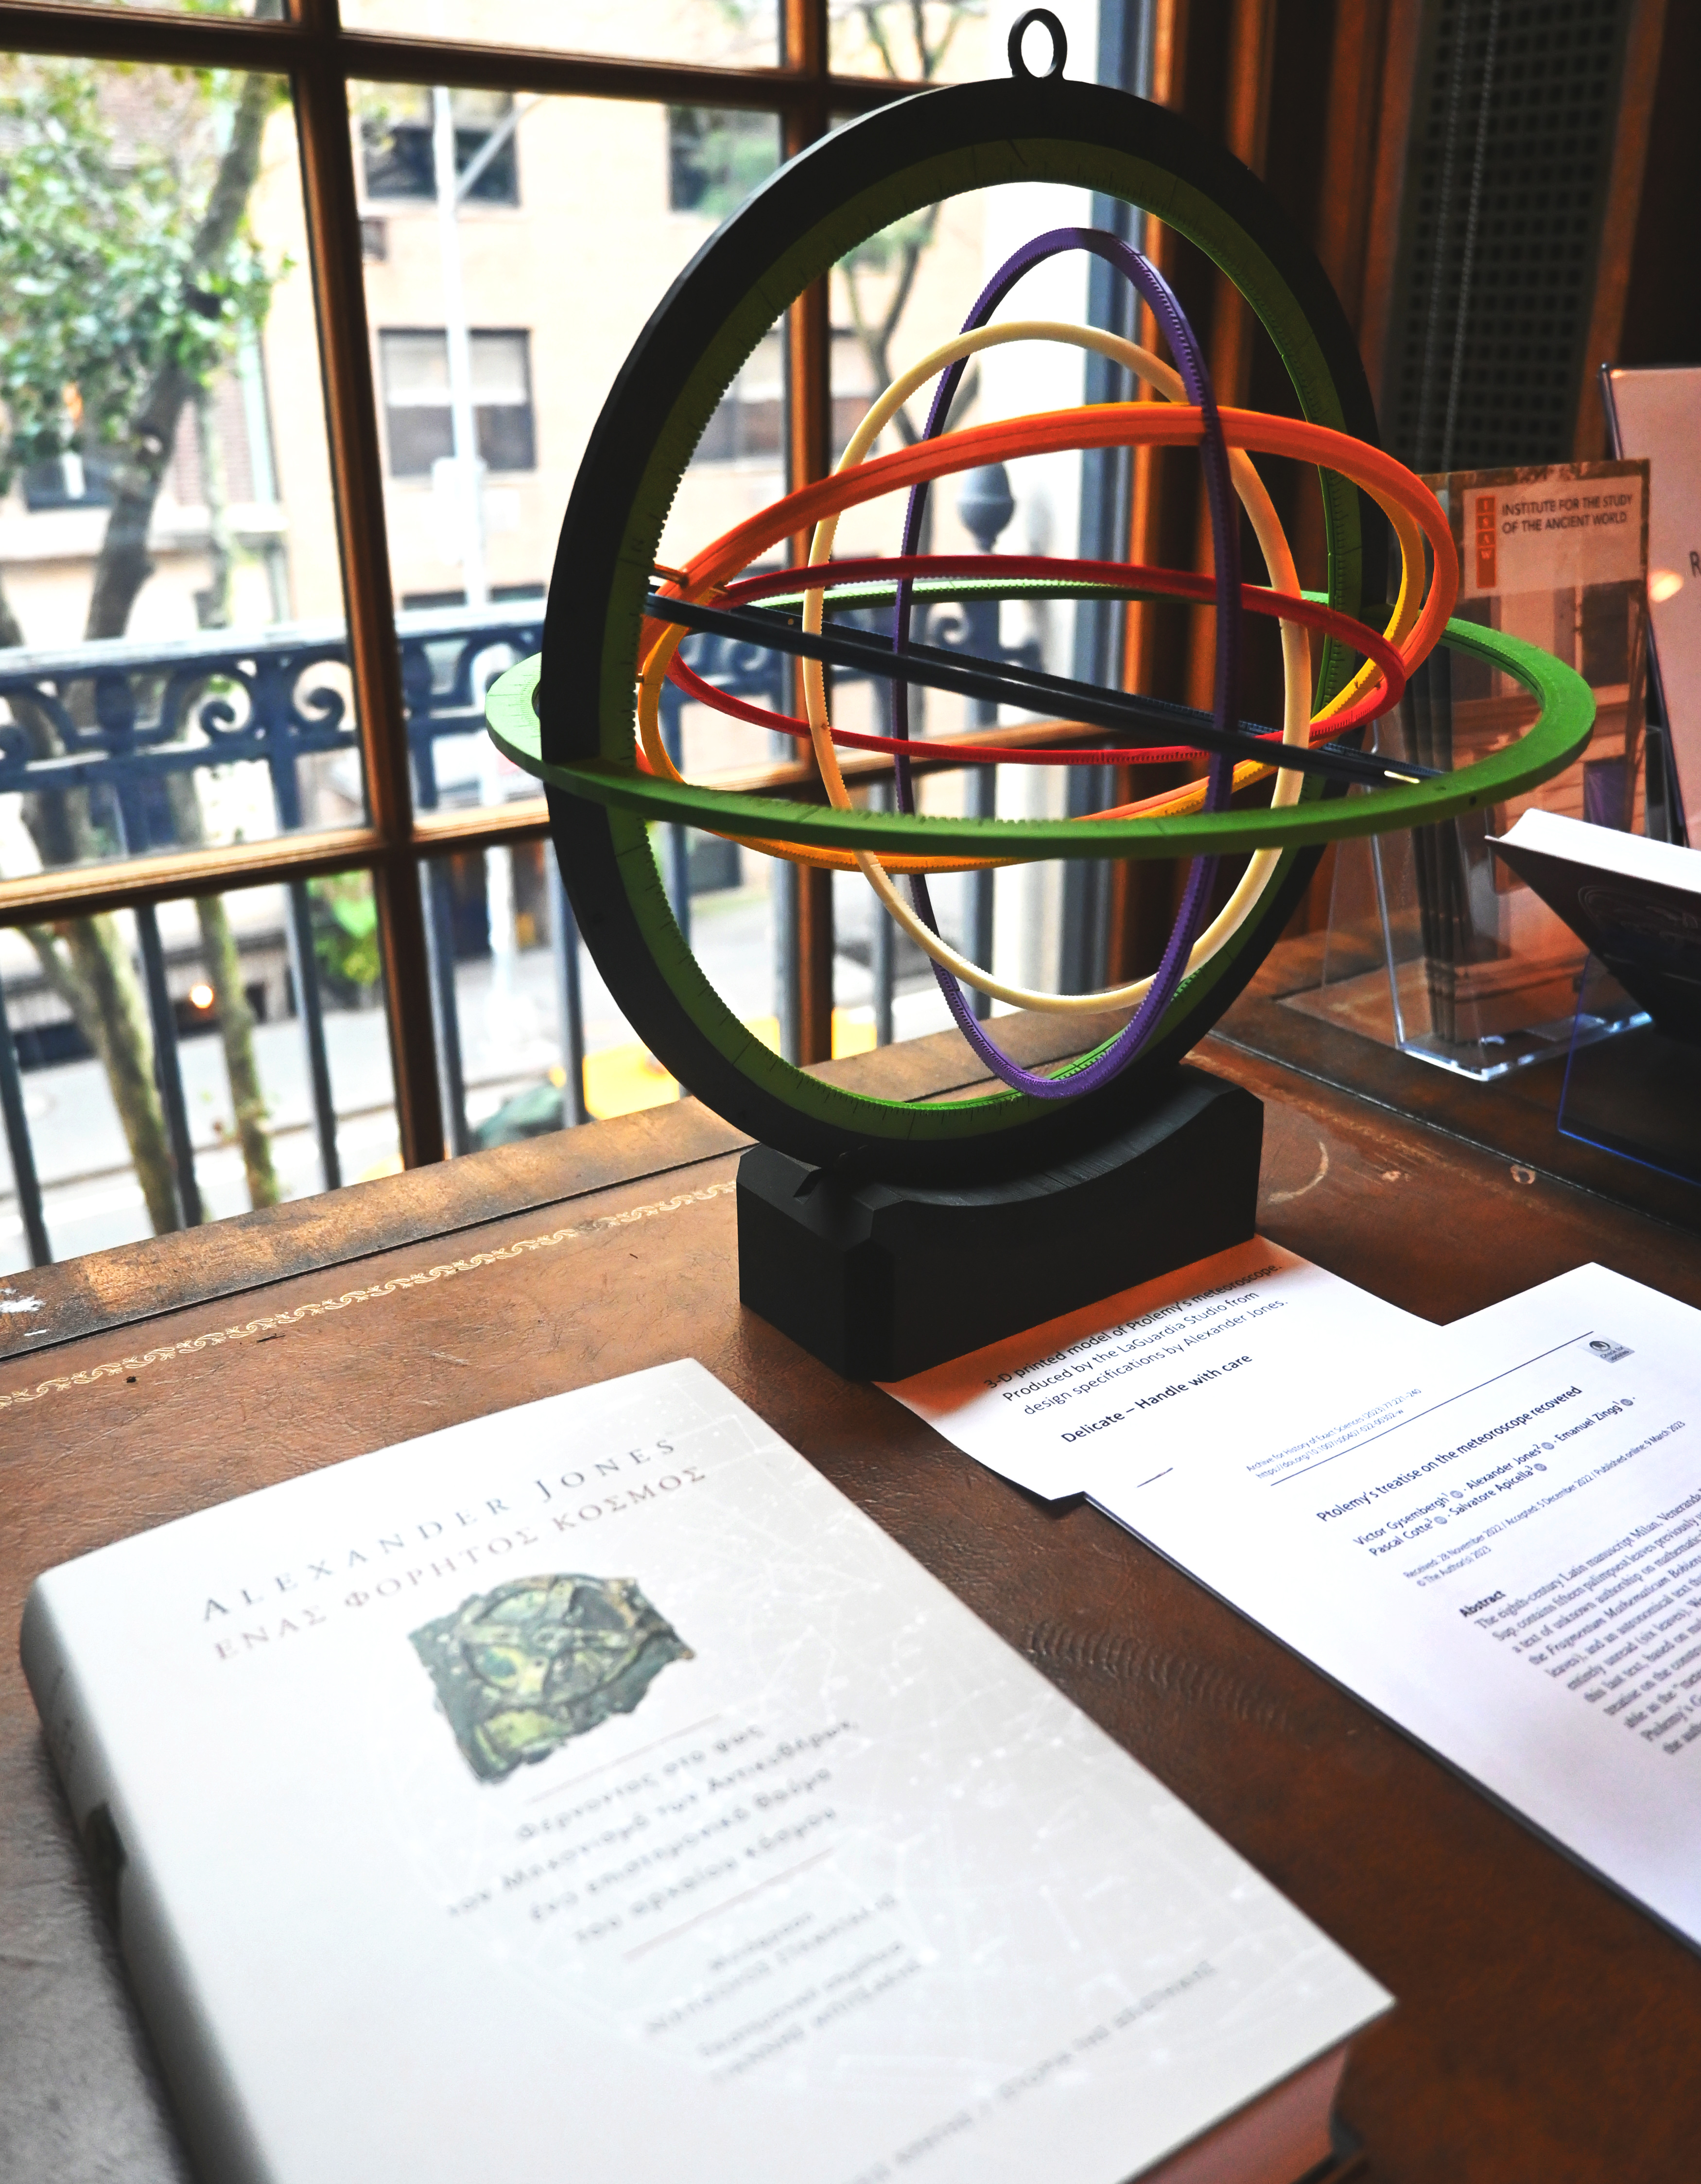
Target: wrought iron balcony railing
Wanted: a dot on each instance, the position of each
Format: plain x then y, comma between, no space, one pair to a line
110,723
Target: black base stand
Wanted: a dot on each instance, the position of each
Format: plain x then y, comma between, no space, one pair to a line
880,1280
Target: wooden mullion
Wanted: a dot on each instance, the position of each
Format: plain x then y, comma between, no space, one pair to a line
811,410
810,343
1352,131
1245,130
124,883
499,68
123,34
1140,621
803,36
374,661
62,891
808,408
1165,505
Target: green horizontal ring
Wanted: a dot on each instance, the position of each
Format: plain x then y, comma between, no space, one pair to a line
1558,733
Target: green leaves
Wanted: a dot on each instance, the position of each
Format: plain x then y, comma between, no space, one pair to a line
345,931
905,239
105,184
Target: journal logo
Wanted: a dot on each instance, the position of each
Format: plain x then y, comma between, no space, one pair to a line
1487,544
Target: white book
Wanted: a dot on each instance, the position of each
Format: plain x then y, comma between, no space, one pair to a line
593,1789
1631,901
1605,850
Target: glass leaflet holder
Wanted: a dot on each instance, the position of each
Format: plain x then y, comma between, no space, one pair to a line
1434,946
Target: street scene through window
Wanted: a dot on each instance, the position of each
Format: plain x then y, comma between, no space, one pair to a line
180,663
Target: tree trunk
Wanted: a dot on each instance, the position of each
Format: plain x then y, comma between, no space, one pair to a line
123,565
218,943
96,978
236,1029
213,606
92,972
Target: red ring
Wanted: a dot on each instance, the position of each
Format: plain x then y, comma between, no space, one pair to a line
1257,599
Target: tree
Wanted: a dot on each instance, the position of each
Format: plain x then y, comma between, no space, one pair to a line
911,39
127,277
717,156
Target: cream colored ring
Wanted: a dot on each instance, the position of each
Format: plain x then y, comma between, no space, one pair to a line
1296,659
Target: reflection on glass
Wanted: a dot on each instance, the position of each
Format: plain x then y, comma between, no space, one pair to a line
719,33
251,1066
909,40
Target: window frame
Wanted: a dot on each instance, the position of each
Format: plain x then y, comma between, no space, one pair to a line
320,57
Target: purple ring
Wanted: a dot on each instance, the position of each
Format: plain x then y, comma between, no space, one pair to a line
1190,363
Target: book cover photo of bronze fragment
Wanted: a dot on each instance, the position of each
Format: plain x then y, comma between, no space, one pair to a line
521,1670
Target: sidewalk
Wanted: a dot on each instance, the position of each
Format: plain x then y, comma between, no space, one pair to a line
510,1034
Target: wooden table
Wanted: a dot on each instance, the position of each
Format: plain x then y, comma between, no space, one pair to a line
1545,2030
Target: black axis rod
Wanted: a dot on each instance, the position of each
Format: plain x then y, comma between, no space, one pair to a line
1148,722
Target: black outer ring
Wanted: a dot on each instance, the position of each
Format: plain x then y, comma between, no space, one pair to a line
650,383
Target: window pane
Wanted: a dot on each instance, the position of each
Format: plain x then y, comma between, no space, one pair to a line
415,369
553,289
264,1083
609,210
171,609
921,41
893,300
720,33
398,155
499,372
499,988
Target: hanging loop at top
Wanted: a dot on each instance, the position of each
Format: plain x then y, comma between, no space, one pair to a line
1060,45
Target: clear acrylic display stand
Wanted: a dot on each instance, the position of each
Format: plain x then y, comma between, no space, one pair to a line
1479,1019
1435,946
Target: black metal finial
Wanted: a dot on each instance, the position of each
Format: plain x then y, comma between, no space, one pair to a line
986,504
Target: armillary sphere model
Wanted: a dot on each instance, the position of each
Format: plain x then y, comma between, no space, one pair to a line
583,715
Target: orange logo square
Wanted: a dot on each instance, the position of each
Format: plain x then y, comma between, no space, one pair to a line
1486,543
